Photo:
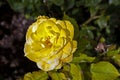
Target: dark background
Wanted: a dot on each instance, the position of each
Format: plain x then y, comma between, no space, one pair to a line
13,26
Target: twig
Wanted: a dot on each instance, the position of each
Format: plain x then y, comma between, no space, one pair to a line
90,19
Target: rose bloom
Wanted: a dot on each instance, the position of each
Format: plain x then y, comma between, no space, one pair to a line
49,43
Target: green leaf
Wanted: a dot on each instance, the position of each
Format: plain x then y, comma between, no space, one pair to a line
117,78
115,2
92,2
16,5
66,67
116,59
79,3
75,11
103,71
66,71
93,10
62,76
86,70
57,2
90,34
69,5
83,58
55,75
73,21
86,31
36,75
76,72
112,47
111,53
102,22
83,44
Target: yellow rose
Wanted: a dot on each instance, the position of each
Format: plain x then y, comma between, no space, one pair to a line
49,43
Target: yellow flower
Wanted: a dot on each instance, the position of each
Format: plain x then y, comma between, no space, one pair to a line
49,43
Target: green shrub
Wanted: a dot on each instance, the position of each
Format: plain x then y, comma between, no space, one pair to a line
96,24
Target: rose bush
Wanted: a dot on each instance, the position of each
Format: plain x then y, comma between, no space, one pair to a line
49,43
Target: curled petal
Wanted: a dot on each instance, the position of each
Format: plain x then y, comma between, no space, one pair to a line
70,28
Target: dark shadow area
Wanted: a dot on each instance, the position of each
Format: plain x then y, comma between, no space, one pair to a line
13,26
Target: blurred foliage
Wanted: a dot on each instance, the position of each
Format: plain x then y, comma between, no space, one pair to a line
108,72
36,75
95,21
1,3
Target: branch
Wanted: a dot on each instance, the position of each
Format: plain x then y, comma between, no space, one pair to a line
90,19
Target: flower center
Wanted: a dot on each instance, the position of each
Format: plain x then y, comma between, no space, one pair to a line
46,43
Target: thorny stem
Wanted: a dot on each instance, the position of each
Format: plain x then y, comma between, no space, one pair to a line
90,19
